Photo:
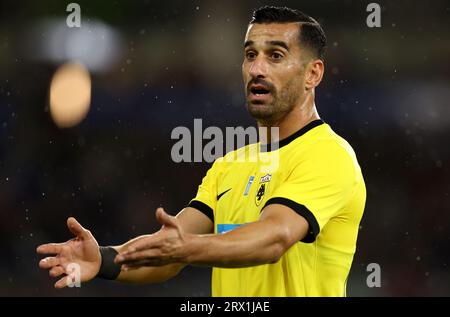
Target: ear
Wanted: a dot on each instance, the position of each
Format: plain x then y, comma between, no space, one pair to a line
314,74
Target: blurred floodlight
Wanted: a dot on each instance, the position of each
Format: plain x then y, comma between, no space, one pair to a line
95,44
70,95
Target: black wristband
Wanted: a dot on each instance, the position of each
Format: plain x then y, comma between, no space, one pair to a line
108,269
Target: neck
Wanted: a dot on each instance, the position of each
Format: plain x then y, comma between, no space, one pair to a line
296,119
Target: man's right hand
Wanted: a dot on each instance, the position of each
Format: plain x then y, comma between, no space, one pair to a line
83,250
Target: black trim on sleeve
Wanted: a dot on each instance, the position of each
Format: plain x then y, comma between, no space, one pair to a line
202,207
314,227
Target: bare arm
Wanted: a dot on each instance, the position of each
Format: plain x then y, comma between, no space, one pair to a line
192,221
261,242
84,250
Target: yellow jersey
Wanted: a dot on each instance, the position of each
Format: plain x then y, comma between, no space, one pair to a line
314,172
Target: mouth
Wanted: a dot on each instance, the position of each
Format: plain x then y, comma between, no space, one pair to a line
259,93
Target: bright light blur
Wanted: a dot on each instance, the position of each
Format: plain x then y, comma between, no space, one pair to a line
97,45
70,95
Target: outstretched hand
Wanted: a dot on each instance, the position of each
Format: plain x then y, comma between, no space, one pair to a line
168,245
82,250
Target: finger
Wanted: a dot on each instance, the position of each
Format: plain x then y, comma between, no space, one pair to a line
56,271
77,229
143,244
50,248
49,262
61,283
131,267
156,261
164,218
135,257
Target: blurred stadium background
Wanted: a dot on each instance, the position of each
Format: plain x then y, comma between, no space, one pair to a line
157,65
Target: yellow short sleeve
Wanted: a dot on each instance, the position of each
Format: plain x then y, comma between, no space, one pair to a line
206,198
319,186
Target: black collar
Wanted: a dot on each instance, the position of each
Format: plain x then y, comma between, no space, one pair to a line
292,137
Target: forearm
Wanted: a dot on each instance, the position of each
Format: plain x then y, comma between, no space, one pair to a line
149,275
253,244
146,275
193,221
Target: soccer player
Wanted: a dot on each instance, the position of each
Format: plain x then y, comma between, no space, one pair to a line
288,232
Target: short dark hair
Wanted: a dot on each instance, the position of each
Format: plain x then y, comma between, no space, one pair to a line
312,35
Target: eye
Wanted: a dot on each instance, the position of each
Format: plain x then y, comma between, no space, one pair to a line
276,56
250,55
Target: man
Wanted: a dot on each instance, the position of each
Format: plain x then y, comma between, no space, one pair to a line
290,232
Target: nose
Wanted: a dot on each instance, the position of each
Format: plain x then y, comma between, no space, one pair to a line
258,68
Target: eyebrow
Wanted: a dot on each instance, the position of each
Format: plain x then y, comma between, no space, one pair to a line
273,43
248,43
279,43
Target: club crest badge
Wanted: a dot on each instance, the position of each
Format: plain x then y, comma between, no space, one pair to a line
262,188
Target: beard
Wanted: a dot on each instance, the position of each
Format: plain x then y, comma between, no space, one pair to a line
277,105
